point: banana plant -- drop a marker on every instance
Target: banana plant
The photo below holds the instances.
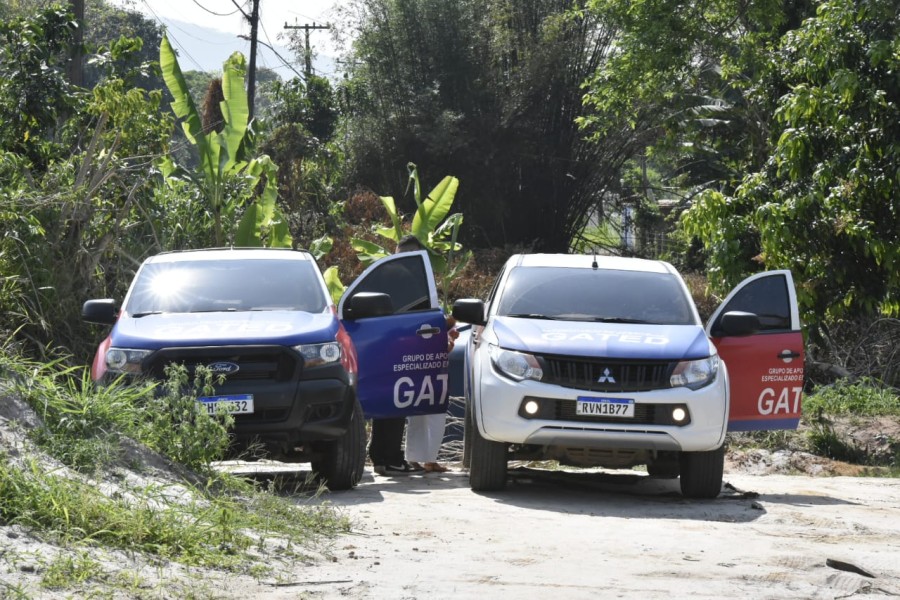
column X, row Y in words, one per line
column 432, row 225
column 223, row 158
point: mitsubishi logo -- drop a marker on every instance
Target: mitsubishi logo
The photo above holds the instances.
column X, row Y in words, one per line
column 606, row 377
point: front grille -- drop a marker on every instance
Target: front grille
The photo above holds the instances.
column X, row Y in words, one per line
column 268, row 363
column 598, row 375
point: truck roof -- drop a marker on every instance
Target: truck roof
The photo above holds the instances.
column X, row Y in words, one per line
column 230, row 254
column 586, row 261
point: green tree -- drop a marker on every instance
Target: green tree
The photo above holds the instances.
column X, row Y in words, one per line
column 311, row 104
column 800, row 96
column 488, row 90
column 74, row 187
column 298, row 136
column 34, row 92
column 825, row 203
column 690, row 82
column 107, row 27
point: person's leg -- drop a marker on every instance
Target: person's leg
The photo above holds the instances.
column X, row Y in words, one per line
column 424, row 434
column 386, row 446
column 416, row 439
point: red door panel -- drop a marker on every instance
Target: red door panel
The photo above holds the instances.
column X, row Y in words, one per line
column 766, row 373
column 765, row 369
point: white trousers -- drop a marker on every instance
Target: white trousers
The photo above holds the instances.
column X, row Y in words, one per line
column 424, row 434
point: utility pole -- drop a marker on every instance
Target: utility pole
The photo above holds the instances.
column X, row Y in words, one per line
column 306, row 28
column 251, row 84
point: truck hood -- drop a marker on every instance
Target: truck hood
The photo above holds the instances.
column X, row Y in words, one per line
column 282, row 328
column 606, row 340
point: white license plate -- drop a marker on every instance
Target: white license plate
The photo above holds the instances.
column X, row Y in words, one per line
column 604, row 407
column 236, row 404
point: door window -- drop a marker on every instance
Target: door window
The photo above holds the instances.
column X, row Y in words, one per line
column 768, row 298
column 404, row 277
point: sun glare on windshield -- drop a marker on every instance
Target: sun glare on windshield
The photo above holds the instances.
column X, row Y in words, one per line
column 168, row 284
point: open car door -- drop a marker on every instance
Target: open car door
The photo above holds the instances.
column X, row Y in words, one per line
column 766, row 368
column 402, row 352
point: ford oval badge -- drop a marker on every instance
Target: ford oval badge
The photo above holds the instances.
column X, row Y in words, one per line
column 223, row 368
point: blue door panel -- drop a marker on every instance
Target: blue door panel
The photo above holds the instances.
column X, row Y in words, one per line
column 403, row 363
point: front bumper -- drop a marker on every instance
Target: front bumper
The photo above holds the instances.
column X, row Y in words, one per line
column 309, row 411
column 293, row 405
column 498, row 401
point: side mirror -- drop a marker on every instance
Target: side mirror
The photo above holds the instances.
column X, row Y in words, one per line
column 368, row 304
column 737, row 323
column 469, row 310
column 103, row 311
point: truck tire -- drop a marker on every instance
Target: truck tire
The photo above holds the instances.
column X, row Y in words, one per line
column 487, row 462
column 341, row 462
column 467, row 437
column 701, row 473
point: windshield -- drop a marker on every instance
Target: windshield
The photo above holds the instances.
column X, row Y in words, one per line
column 601, row 295
column 226, row 285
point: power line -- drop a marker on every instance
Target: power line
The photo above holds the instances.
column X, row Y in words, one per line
column 213, row 12
column 275, row 52
column 270, row 46
column 177, row 43
column 241, row 9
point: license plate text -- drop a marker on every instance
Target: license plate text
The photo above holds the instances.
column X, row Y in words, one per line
column 604, row 407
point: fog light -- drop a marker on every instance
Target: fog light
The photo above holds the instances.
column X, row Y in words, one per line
column 679, row 415
column 531, row 407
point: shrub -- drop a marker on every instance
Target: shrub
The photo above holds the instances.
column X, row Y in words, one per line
column 863, row 397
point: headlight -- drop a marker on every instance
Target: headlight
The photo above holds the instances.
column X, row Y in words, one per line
column 695, row 374
column 516, row 365
column 125, row 360
column 319, row 354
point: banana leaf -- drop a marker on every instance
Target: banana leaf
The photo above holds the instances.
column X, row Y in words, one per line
column 434, row 208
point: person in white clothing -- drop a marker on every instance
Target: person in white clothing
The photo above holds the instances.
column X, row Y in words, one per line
column 425, row 433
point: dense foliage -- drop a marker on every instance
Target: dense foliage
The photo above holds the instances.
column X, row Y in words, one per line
column 778, row 123
column 487, row 91
column 825, row 202
column 76, row 199
column 772, row 126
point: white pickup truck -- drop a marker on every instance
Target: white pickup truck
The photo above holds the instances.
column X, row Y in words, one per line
column 603, row 361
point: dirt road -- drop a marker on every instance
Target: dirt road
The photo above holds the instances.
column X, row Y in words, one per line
column 611, row 535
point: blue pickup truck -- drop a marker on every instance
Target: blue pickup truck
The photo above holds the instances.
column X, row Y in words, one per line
column 300, row 373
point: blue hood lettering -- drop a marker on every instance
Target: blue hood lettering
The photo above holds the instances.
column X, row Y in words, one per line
column 285, row 328
column 605, row 340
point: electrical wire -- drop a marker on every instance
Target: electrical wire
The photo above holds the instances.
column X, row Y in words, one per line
column 238, row 6
column 271, row 47
column 215, row 13
column 172, row 38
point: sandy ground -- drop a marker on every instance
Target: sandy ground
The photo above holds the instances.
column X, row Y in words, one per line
column 610, row 535
column 550, row 534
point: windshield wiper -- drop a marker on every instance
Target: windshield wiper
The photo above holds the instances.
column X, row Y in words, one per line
column 531, row 316
column 147, row 313
column 617, row 320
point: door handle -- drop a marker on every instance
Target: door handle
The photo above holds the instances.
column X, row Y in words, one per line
column 425, row 330
column 788, row 354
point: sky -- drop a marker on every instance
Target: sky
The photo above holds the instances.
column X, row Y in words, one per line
column 205, row 32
